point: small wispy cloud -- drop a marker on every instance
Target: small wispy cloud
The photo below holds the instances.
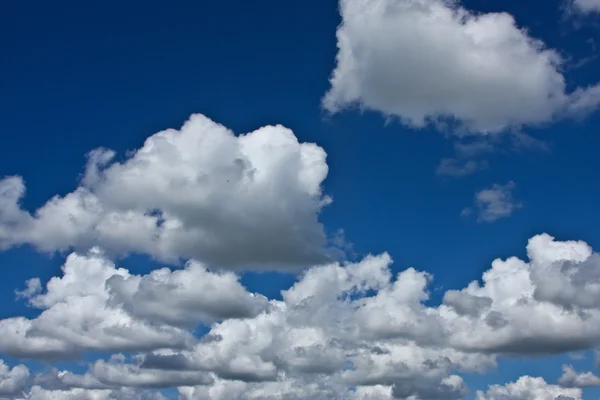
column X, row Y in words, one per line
column 457, row 168
column 494, row 203
column 469, row 153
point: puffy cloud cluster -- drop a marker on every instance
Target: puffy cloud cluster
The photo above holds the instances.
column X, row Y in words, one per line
column 529, row 388
column 571, row 378
column 428, row 61
column 351, row 331
column 199, row 192
column 12, row 380
column 39, row 393
column 95, row 306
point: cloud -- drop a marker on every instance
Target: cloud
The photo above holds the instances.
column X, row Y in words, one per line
column 39, row 393
column 570, row 378
column 390, row 338
column 470, row 150
column 185, row 297
column 428, row 61
column 340, row 326
column 587, row 5
column 526, row 388
column 455, row 168
column 200, row 192
column 527, row 312
column 114, row 374
column 96, row 306
column 12, row 381
column 495, row 203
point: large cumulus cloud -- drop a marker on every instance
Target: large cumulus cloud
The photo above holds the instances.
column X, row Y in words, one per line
column 199, row 192
column 433, row 60
column 526, row 388
column 351, row 330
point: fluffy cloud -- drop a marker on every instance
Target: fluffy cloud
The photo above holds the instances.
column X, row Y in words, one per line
column 115, row 373
column 527, row 313
column 200, row 192
column 528, row 388
column 571, row 378
column 352, row 331
column 328, row 324
column 494, row 203
column 185, row 297
column 39, row 393
column 12, row 381
column 432, row 60
column 99, row 307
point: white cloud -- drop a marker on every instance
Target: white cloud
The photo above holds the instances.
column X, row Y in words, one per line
column 97, row 306
column 495, row 203
column 286, row 390
column 571, row 378
column 338, row 327
column 587, row 5
column 12, row 380
column 429, row 60
column 200, row 192
column 529, row 388
column 39, row 393
column 389, row 338
column 115, row 374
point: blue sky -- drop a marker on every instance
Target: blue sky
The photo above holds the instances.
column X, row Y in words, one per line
column 78, row 77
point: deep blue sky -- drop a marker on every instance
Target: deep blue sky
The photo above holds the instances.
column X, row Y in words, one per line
column 88, row 74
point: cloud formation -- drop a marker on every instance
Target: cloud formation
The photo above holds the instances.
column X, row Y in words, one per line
column 494, row 203
column 428, row 61
column 528, row 387
column 572, row 378
column 12, row 380
column 199, row 192
column 96, row 306
column 346, row 331
column 587, row 5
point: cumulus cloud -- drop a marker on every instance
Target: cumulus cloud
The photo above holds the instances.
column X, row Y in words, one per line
column 96, row 306
column 495, row 203
column 347, row 331
column 571, row 378
column 199, row 192
column 428, row 61
column 390, row 338
column 40, row 393
column 529, row 388
column 12, row 380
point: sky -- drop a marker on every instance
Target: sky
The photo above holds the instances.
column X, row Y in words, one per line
column 363, row 199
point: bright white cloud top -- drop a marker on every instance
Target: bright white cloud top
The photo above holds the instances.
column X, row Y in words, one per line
column 200, row 192
column 338, row 327
column 433, row 60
